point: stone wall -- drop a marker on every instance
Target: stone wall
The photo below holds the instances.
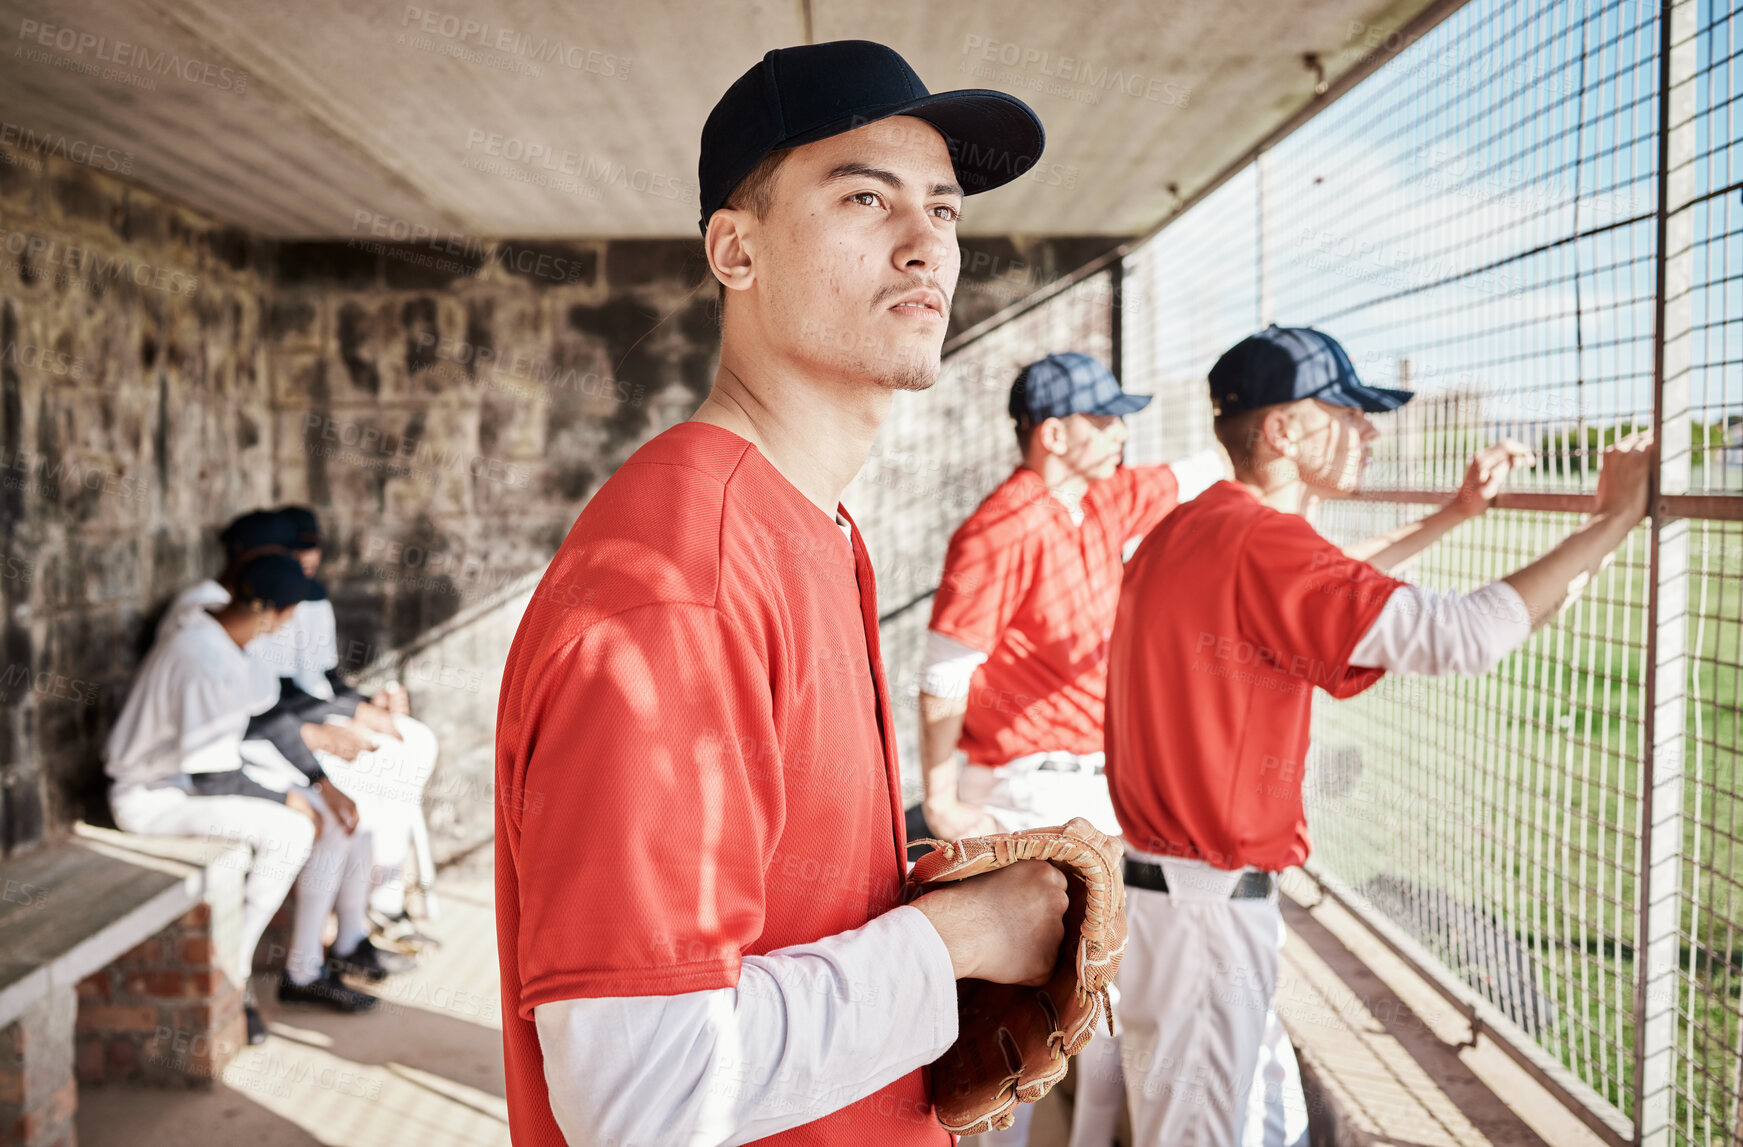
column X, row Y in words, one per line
column 135, row 411
column 446, row 405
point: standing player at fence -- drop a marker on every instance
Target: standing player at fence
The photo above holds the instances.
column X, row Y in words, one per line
column 699, row 834
column 1015, row 676
column 1233, row 610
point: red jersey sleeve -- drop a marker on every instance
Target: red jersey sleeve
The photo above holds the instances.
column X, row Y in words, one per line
column 1306, row 606
column 986, row 577
column 651, row 801
column 1145, row 495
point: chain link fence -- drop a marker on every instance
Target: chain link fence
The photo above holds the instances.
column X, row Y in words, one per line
column 1531, row 215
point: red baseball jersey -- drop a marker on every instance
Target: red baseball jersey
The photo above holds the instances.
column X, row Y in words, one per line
column 1037, row 594
column 1231, row 613
column 692, row 757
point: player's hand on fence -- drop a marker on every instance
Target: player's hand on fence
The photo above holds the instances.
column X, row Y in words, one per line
column 1625, row 477
column 1005, row 926
column 951, row 819
column 297, row 802
column 343, row 808
column 346, row 744
column 1488, row 472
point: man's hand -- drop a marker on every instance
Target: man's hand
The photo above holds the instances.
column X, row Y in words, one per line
column 394, row 699
column 953, row 819
column 297, row 802
column 375, row 720
column 1006, row 926
column 1625, row 478
column 1554, row 581
column 1487, row 473
column 341, row 806
column 346, row 744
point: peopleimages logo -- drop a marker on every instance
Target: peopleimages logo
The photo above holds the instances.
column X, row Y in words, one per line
column 135, row 56
column 463, row 30
column 74, row 150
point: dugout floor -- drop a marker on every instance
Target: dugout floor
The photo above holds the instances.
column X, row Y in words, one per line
column 426, row 1069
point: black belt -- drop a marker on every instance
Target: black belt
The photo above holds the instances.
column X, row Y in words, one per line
column 1252, row 885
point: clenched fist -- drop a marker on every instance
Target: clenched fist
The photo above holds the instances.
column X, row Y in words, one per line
column 1006, row 926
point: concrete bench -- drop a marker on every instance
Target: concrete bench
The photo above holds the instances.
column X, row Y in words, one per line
column 110, row 968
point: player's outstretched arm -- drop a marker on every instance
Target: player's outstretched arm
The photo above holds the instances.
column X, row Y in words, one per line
column 1437, row 634
column 1483, row 480
column 1552, row 582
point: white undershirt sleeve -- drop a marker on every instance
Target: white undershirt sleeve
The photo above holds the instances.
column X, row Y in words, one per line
column 1439, row 634
column 1198, row 472
column 809, row 1030
column 948, row 666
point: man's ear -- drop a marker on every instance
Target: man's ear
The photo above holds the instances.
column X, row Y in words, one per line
column 1275, row 431
column 730, row 246
column 1053, row 437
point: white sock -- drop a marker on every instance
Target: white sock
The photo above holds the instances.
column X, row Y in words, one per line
column 353, row 899
column 389, row 895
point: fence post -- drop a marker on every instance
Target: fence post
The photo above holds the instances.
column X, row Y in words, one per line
column 1657, row 955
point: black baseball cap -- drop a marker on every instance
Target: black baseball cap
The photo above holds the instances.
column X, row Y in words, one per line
column 304, row 525
column 1287, row 364
column 803, row 94
column 258, row 529
column 277, row 580
column 1070, row 383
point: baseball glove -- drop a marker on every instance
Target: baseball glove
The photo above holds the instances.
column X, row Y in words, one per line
column 1013, row 1042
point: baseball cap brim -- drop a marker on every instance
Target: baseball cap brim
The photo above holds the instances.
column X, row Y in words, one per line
column 993, row 138
column 1373, row 399
column 1124, row 404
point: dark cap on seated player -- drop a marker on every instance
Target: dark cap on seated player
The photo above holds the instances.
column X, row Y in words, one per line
column 306, row 528
column 801, row 95
column 259, row 530
column 1288, row 364
column 277, row 581
column 1070, row 383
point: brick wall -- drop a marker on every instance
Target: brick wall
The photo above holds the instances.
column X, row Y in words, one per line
column 165, row 1011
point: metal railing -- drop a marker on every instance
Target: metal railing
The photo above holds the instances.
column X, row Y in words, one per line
column 1532, row 215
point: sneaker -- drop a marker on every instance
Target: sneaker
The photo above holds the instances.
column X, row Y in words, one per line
column 326, row 990
column 401, row 933
column 256, row 1025
column 370, row 962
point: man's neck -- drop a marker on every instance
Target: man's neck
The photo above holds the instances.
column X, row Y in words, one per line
column 1286, row 494
column 238, row 624
column 817, row 431
column 1065, row 486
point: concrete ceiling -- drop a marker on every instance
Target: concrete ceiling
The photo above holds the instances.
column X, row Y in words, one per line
column 423, row 112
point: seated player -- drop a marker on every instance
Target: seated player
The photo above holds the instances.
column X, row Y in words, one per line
column 289, row 747
column 305, row 653
column 174, row 756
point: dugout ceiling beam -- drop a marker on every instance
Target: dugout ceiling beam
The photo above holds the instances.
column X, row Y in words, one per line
column 295, row 119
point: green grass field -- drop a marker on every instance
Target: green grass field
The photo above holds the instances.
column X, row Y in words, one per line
column 1499, row 818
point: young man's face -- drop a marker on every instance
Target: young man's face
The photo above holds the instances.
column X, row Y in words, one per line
column 311, row 560
column 1094, row 444
column 1331, row 446
column 268, row 620
column 856, row 260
